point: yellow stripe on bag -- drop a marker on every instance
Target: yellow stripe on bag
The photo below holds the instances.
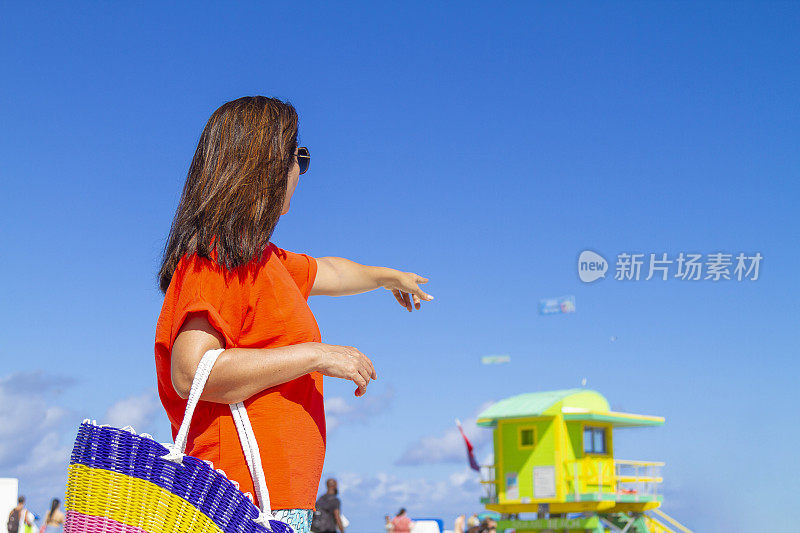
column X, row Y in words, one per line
column 132, row 501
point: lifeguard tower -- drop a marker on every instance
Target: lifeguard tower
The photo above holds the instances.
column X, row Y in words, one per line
column 554, row 456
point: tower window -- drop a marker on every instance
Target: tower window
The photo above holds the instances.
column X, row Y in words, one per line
column 594, row 440
column 526, row 438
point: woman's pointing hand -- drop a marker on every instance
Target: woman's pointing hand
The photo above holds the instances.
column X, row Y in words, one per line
column 405, row 287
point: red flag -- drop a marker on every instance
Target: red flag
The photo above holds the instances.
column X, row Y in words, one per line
column 470, row 455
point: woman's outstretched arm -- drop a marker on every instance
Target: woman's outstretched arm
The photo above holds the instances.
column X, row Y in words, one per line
column 337, row 276
column 239, row 373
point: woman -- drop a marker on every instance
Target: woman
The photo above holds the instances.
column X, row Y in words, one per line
column 402, row 523
column 54, row 519
column 227, row 286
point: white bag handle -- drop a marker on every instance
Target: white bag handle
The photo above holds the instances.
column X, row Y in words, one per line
column 243, row 428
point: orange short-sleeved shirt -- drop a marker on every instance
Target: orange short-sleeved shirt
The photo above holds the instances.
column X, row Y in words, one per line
column 259, row 305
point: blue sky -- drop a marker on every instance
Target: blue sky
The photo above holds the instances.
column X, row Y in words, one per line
column 483, row 146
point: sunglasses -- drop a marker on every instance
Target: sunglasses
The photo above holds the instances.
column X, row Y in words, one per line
column 303, row 159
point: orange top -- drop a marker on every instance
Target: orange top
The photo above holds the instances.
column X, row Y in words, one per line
column 259, row 305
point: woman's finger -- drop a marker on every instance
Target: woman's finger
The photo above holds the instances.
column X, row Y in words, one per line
column 422, row 294
column 416, row 302
column 361, row 384
column 407, row 300
column 398, row 297
column 371, row 367
column 364, row 365
column 366, row 374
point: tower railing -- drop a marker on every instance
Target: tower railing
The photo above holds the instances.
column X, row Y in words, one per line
column 489, row 483
column 606, row 477
column 596, row 478
column 638, row 477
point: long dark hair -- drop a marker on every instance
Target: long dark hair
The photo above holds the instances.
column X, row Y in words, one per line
column 235, row 188
column 53, row 506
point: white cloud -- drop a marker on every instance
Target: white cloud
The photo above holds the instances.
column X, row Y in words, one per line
column 366, row 498
column 421, row 493
column 447, row 446
column 339, row 411
column 37, row 434
column 139, row 411
column 336, row 408
column 34, row 445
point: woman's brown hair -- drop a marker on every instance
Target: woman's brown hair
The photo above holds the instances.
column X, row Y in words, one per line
column 235, row 188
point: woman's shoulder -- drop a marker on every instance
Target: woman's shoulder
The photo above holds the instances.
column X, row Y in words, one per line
column 195, row 263
column 195, row 268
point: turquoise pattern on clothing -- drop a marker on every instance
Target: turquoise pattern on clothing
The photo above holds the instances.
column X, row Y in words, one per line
column 298, row 519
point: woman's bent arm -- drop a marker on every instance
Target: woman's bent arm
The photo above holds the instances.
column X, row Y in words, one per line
column 240, row 373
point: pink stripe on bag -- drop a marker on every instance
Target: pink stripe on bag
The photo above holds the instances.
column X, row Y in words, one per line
column 78, row 522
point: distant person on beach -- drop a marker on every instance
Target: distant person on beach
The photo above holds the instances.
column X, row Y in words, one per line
column 54, row 519
column 402, row 523
column 227, row 286
column 19, row 517
column 388, row 526
column 460, row 523
column 487, row 525
column 328, row 517
column 474, row 525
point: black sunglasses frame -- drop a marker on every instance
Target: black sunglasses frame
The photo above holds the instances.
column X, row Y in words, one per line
column 303, row 159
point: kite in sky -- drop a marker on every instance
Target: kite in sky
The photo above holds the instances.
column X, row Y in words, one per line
column 554, row 306
column 495, row 359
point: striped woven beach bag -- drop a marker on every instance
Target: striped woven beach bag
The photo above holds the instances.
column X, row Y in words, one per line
column 122, row 482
